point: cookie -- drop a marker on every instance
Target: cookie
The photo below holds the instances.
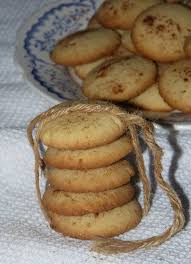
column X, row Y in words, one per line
column 187, row 47
column 105, row 224
column 120, row 79
column 75, row 204
column 92, row 180
column 151, row 100
column 127, row 42
column 160, row 31
column 175, row 85
column 122, row 14
column 85, row 47
column 83, row 70
column 82, row 130
column 89, row 158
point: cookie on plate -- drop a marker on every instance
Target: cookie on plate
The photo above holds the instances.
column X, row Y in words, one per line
column 122, row 14
column 82, row 130
column 67, row 203
column 160, row 31
column 89, row 158
column 105, row 224
column 175, row 85
column 151, row 100
column 92, row 180
column 85, row 46
column 120, row 79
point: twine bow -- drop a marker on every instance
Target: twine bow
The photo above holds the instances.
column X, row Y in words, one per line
column 131, row 122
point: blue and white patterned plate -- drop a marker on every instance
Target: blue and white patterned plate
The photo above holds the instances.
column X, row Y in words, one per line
column 38, row 35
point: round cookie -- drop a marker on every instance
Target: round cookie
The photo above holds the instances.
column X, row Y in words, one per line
column 120, row 79
column 160, row 31
column 82, row 130
column 187, row 47
column 105, row 224
column 75, row 204
column 85, row 46
column 151, row 100
column 127, row 42
column 83, row 70
column 175, row 85
column 89, row 158
column 92, row 180
column 122, row 14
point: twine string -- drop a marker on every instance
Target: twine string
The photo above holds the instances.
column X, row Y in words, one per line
column 131, row 121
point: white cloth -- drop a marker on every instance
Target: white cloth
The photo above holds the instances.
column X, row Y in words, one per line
column 24, row 234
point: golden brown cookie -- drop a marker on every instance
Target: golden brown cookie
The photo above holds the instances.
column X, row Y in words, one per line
column 160, row 31
column 82, row 130
column 120, row 79
column 122, row 14
column 89, row 158
column 92, row 180
column 75, row 204
column 85, row 46
column 105, row 224
column 151, row 100
column 175, row 85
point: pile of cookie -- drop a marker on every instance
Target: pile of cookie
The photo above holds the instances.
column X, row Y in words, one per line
column 89, row 192
column 136, row 51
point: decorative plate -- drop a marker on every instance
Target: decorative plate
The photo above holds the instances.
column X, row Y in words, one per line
column 37, row 37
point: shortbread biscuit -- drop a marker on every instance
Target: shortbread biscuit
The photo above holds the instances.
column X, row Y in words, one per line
column 127, row 42
column 82, row 130
column 160, row 31
column 175, row 85
column 85, row 46
column 151, row 100
column 89, row 158
column 120, row 79
column 92, row 180
column 122, row 14
column 105, row 224
column 83, row 70
column 67, row 203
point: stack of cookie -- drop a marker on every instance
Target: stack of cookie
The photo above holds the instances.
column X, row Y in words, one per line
column 136, row 51
column 89, row 193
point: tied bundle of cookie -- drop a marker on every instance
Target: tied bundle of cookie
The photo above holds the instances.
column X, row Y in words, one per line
column 89, row 193
column 137, row 51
